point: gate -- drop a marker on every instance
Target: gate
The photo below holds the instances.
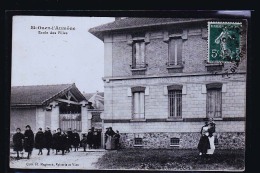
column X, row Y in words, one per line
column 70, row 120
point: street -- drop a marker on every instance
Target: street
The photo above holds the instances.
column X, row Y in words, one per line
column 72, row 160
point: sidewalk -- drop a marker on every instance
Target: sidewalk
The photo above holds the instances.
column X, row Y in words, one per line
column 71, row 160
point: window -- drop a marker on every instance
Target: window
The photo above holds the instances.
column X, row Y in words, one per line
column 214, row 100
column 138, row 54
column 175, row 142
column 175, row 101
column 175, row 52
column 138, row 105
column 138, row 142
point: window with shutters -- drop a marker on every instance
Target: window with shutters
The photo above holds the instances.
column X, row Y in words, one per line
column 138, row 55
column 138, row 111
column 214, row 100
column 138, row 105
column 175, row 52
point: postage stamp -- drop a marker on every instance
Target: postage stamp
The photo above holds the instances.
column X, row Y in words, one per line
column 224, row 41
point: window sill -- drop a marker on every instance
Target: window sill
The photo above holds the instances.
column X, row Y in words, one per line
column 217, row 119
column 138, row 120
column 174, row 66
column 175, row 145
column 139, row 69
column 214, row 64
column 174, row 119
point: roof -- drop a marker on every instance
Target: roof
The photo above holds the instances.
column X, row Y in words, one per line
column 128, row 23
column 42, row 94
column 89, row 95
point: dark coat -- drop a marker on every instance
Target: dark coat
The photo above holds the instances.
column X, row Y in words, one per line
column 75, row 139
column 204, row 144
column 117, row 137
column 70, row 137
column 59, row 141
column 28, row 140
column 18, row 141
column 48, row 139
column 39, row 140
column 84, row 141
column 212, row 129
column 90, row 138
column 95, row 138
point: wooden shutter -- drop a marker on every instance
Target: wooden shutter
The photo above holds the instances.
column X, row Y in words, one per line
column 179, row 51
column 171, row 52
column 134, row 56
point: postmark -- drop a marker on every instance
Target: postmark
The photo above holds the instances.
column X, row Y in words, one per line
column 224, row 42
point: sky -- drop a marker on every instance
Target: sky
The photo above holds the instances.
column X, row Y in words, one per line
column 46, row 59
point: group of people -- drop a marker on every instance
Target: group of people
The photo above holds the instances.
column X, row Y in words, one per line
column 91, row 140
column 112, row 139
column 206, row 144
column 58, row 140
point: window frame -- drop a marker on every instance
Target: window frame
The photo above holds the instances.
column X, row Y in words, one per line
column 177, row 97
column 138, row 144
column 211, row 88
column 139, row 90
column 134, row 53
column 176, row 58
column 173, row 144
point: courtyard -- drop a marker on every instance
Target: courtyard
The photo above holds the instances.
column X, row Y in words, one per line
column 134, row 159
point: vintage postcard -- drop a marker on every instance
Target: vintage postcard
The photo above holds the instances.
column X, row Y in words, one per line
column 128, row 93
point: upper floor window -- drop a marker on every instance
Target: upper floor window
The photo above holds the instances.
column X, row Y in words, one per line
column 214, row 100
column 175, row 52
column 138, row 54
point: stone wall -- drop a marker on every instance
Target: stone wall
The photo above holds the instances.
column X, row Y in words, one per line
column 228, row 140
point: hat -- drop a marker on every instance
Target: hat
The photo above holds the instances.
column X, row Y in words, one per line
column 28, row 126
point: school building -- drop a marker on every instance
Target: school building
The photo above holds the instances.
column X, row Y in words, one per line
column 159, row 87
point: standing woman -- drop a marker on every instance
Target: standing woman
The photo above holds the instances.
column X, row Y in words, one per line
column 39, row 140
column 18, row 141
column 48, row 139
column 204, row 145
column 211, row 130
column 28, row 140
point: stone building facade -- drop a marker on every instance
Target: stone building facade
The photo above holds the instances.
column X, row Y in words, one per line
column 159, row 87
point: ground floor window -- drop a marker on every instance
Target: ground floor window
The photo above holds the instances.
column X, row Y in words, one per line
column 175, row 142
column 138, row 102
column 214, row 101
column 138, row 142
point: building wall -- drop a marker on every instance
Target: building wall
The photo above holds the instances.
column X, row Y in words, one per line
column 118, row 100
column 194, row 53
column 156, row 130
column 20, row 117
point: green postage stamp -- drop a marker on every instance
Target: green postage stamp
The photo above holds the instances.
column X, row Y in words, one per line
column 224, row 42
